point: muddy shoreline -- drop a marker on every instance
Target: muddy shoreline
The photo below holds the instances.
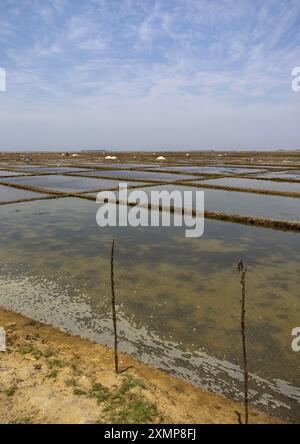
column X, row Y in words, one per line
column 47, row 376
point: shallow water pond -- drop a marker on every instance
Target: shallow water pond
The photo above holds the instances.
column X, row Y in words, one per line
column 67, row 183
column 178, row 298
column 140, row 175
column 255, row 184
column 5, row 173
column 44, row 169
column 211, row 169
column 118, row 165
column 289, row 175
column 8, row 194
column 235, row 202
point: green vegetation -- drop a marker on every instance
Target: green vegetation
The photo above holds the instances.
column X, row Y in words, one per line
column 99, row 392
column 132, row 411
column 49, row 353
column 125, row 404
column 22, row 420
column 30, row 350
column 55, row 363
column 10, row 391
column 79, row 392
column 71, row 382
column 75, row 365
column 52, row 374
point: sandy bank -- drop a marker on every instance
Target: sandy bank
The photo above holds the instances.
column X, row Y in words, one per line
column 47, row 376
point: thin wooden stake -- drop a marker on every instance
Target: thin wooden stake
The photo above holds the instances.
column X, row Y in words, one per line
column 113, row 304
column 243, row 269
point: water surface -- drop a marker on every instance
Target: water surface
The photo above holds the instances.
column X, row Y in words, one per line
column 289, row 175
column 45, row 169
column 255, row 184
column 8, row 194
column 211, row 169
column 235, row 202
column 178, row 298
column 67, row 183
column 118, row 165
column 140, row 175
column 5, row 173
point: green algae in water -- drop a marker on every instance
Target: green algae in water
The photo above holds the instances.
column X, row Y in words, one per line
column 178, row 298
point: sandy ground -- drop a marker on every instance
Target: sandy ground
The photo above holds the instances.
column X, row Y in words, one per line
column 47, row 376
column 286, row 159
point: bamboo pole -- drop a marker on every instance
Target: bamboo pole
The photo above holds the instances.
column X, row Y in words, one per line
column 243, row 269
column 113, row 303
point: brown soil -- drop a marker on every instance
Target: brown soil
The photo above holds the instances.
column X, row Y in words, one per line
column 264, row 158
column 47, row 376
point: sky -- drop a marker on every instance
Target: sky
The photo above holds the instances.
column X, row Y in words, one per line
column 149, row 74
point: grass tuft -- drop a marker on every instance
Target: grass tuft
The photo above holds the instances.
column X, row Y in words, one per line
column 10, row 391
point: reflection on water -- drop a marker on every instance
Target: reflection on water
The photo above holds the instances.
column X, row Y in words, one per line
column 8, row 194
column 255, row 184
column 235, row 202
column 211, row 169
column 43, row 169
column 140, row 175
column 67, row 183
column 289, row 174
column 5, row 173
column 178, row 298
column 117, row 165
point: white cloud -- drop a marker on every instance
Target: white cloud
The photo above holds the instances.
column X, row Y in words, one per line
column 221, row 60
column 96, row 44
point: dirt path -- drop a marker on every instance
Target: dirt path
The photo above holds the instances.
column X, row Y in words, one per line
column 47, row 376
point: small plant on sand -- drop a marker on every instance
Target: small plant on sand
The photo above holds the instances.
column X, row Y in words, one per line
column 135, row 411
column 10, row 391
column 23, row 420
column 29, row 350
column 129, row 382
column 71, row 382
column 99, row 391
column 127, row 406
column 75, row 365
column 55, row 363
column 49, row 353
column 78, row 391
column 53, row 374
column 8, row 351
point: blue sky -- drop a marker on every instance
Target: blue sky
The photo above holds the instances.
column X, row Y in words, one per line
column 149, row 74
